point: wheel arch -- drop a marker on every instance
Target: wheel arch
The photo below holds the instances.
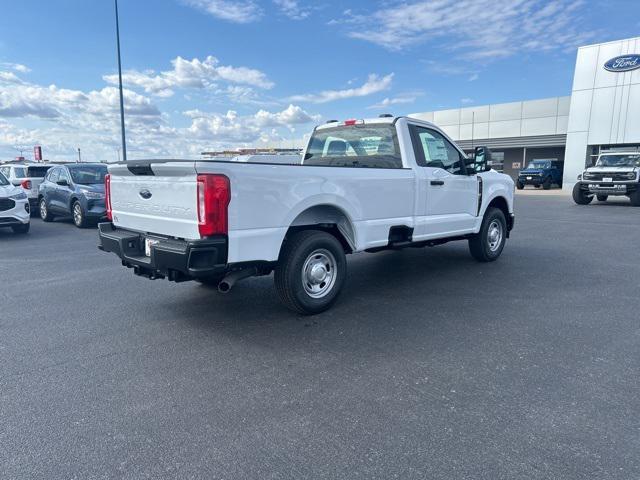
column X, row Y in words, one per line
column 327, row 217
column 501, row 203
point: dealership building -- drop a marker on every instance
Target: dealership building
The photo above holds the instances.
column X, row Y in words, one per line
column 601, row 114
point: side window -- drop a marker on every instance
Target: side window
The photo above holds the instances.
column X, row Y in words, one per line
column 6, row 171
column 433, row 150
column 53, row 175
column 64, row 175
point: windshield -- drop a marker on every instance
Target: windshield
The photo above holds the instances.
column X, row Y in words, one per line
column 373, row 146
column 630, row 160
column 3, row 181
column 536, row 164
column 89, row 174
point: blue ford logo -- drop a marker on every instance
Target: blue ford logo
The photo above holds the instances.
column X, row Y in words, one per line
column 623, row 63
column 146, row 194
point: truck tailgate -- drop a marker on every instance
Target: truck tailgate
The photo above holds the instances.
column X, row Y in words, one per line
column 159, row 198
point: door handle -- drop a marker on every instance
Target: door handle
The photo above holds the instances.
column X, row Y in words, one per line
column 437, row 182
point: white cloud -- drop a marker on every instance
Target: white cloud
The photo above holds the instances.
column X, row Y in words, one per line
column 236, row 11
column 234, row 128
column 292, row 9
column 61, row 120
column 374, row 84
column 478, row 29
column 401, row 99
column 18, row 67
column 466, row 101
column 194, row 73
column 473, row 77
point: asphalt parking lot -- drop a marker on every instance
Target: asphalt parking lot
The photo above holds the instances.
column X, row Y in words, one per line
column 430, row 366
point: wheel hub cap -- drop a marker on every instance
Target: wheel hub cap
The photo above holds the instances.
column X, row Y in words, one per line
column 494, row 235
column 319, row 273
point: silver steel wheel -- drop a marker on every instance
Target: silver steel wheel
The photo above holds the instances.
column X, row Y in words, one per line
column 43, row 208
column 319, row 273
column 77, row 214
column 494, row 235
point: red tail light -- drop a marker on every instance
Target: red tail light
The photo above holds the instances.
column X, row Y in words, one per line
column 350, row 122
column 214, row 195
column 107, row 195
column 26, row 184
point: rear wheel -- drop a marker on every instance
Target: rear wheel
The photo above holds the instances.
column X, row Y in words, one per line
column 24, row 228
column 602, row 198
column 488, row 243
column 79, row 218
column 520, row 185
column 45, row 214
column 580, row 196
column 311, row 272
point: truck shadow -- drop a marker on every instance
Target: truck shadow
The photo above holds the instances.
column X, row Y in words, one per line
column 389, row 289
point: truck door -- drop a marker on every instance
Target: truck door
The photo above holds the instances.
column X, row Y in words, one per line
column 451, row 194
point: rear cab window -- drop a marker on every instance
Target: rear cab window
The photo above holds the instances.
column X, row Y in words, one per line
column 37, row 172
column 360, row 145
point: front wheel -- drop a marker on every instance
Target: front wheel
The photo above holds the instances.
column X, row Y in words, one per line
column 547, row 183
column 24, row 228
column 519, row 185
column 580, row 196
column 635, row 198
column 602, row 198
column 311, row 271
column 488, row 243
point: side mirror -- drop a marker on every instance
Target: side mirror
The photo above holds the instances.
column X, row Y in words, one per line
column 63, row 183
column 16, row 183
column 482, row 159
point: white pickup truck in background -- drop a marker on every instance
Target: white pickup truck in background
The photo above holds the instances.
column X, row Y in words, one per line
column 364, row 185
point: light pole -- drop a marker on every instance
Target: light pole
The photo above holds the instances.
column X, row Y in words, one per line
column 79, row 157
column 124, row 142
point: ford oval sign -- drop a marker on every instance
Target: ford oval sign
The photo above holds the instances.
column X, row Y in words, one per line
column 623, row 63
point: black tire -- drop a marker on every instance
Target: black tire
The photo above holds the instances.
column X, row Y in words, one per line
column 78, row 215
column 580, row 197
column 635, row 198
column 44, row 212
column 547, row 183
column 519, row 185
column 537, row 186
column 602, row 198
column 24, row 228
column 303, row 252
column 485, row 246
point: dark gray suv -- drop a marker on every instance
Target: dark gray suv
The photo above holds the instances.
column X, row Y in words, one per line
column 76, row 190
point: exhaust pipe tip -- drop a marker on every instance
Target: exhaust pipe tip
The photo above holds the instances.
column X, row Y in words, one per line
column 224, row 287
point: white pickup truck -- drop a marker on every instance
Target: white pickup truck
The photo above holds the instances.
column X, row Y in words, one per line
column 362, row 185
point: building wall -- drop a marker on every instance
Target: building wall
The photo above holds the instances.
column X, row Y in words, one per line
column 547, row 116
column 605, row 106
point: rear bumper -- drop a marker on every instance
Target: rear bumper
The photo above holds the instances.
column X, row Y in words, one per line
column 176, row 260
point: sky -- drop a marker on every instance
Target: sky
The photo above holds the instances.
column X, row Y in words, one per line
column 203, row 75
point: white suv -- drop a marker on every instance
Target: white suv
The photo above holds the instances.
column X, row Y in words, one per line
column 14, row 207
